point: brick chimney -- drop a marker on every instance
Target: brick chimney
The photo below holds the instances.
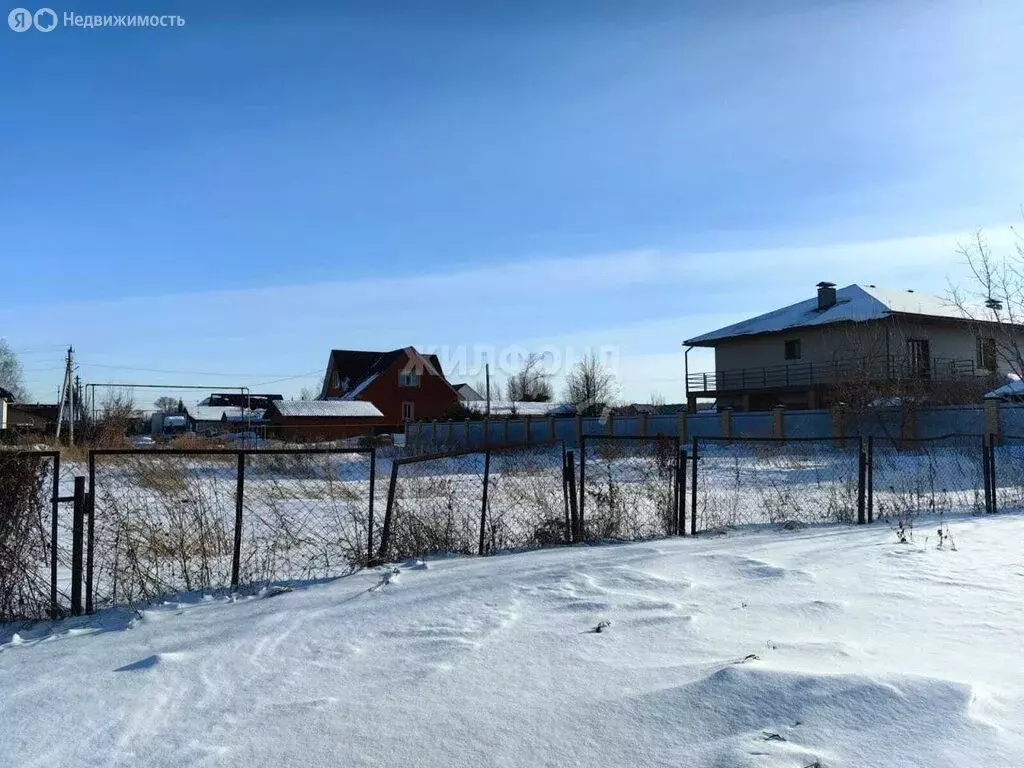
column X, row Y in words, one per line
column 826, row 296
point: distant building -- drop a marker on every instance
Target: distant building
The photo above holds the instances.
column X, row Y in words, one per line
column 220, row 419
column 467, row 394
column 31, row 418
column 802, row 355
column 312, row 420
column 403, row 384
column 256, row 402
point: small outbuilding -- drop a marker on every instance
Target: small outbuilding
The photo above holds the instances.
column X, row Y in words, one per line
column 312, row 420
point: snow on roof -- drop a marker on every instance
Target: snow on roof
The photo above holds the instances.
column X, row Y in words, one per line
column 354, row 393
column 853, row 303
column 223, row 412
column 327, row 408
column 1013, row 388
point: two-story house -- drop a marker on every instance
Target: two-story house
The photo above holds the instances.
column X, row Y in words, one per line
column 805, row 355
column 403, row 384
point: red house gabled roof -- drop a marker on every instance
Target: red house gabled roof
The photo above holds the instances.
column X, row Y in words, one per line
column 360, row 366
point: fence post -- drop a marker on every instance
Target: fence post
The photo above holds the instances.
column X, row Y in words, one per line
column 871, row 479
column 433, row 434
column 986, row 474
column 466, row 434
column 487, row 431
column 385, row 534
column 680, row 492
column 862, row 477
column 77, row 531
column 693, row 489
column 642, row 418
column 992, row 425
column 570, row 476
column 90, row 541
column 551, row 428
column 236, row 554
column 483, row 501
column 609, row 424
column 681, row 426
column 527, row 428
column 565, row 495
column 579, row 431
column 725, row 420
column 779, row 422
column 992, row 471
column 839, row 424
column 369, row 514
column 583, row 486
column 90, row 533
column 54, row 533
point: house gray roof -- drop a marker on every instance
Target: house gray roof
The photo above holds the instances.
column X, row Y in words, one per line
column 466, row 392
column 327, row 409
column 223, row 412
column 854, row 303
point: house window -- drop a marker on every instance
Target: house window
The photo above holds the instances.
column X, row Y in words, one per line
column 987, row 353
column 408, row 379
column 408, row 412
column 793, row 349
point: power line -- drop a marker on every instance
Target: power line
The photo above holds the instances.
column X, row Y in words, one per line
column 192, row 373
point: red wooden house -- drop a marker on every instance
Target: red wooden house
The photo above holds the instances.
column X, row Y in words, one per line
column 403, row 384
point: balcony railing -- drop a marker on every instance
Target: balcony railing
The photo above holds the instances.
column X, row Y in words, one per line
column 830, row 372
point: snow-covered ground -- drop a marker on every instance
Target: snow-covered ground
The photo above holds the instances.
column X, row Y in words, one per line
column 831, row 646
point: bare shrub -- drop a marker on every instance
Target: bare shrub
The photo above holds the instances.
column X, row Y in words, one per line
column 630, row 488
column 24, row 541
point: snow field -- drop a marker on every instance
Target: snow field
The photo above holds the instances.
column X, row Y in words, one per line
column 833, row 646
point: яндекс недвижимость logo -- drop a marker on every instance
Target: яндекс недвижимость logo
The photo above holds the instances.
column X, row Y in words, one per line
column 22, row 20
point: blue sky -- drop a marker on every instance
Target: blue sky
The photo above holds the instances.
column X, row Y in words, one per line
column 239, row 195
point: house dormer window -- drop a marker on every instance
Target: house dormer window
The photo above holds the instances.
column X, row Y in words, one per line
column 408, row 379
column 792, row 350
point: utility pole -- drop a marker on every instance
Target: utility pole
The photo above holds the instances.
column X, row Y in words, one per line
column 487, row 375
column 67, row 397
column 71, row 396
column 78, row 413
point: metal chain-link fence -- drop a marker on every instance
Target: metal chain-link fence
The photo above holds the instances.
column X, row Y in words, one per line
column 477, row 501
column 755, row 481
column 178, row 521
column 304, row 516
column 526, row 498
column 629, row 487
column 161, row 522
column 913, row 477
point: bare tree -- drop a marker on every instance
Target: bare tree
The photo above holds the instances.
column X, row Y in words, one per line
column 309, row 393
column 657, row 400
column 994, row 298
column 166, row 404
column 480, row 385
column 117, row 412
column 11, row 377
column 531, row 384
column 589, row 385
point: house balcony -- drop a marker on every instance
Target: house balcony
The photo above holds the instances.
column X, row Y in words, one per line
column 812, row 375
